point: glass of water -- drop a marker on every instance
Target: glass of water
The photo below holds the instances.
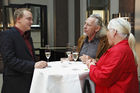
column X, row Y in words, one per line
column 68, row 53
column 75, row 55
column 47, row 52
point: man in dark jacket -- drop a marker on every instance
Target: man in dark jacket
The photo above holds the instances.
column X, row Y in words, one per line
column 17, row 51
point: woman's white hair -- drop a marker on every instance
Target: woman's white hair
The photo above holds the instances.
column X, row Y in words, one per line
column 123, row 27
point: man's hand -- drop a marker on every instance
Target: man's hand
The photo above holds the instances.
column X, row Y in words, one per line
column 84, row 58
column 70, row 58
column 41, row 64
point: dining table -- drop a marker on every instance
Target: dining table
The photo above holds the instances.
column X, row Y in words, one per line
column 61, row 77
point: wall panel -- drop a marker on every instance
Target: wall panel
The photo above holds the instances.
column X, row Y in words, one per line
column 61, row 22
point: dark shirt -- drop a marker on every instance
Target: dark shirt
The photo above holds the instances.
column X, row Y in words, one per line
column 90, row 48
column 25, row 36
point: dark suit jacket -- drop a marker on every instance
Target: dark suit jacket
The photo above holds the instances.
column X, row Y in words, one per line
column 18, row 62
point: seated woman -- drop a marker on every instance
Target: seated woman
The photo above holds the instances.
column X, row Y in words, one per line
column 116, row 70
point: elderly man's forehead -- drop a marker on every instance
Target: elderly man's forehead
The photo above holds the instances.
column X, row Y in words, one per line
column 90, row 19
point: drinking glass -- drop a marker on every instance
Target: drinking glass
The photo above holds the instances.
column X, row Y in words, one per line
column 68, row 50
column 47, row 52
column 75, row 55
column 68, row 53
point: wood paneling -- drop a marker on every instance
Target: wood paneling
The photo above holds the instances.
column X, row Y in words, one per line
column 127, row 9
column 0, row 3
column 61, row 22
column 127, row 6
column 1, row 63
column 77, row 20
column 0, row 11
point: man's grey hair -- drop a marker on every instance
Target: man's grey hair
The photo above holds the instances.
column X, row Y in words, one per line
column 100, row 23
column 19, row 13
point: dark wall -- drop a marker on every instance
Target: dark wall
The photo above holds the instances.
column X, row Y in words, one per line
column 61, row 22
column 77, row 21
column 96, row 4
column 1, row 3
column 0, row 10
column 127, row 6
column 127, row 9
column 1, row 64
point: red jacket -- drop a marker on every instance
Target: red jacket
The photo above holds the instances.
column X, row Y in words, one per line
column 116, row 71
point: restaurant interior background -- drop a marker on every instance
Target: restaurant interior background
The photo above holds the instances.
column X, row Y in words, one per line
column 59, row 22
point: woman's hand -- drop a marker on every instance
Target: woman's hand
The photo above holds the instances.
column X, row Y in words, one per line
column 90, row 62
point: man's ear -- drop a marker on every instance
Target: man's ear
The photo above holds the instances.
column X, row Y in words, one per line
column 17, row 19
column 97, row 28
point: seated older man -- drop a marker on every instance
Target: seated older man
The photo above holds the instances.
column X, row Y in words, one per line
column 94, row 43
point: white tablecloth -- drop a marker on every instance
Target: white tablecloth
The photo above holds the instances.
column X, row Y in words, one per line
column 60, row 78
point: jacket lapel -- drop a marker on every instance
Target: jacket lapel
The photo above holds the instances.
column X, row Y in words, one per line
column 22, row 42
column 101, row 45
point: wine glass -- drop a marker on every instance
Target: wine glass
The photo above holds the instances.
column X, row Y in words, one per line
column 47, row 52
column 75, row 55
column 68, row 52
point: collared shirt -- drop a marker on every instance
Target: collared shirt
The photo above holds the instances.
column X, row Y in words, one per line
column 26, row 39
column 90, row 48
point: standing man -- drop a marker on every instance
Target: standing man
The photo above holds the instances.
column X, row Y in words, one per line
column 18, row 55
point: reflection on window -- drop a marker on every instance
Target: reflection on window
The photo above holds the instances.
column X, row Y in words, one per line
column 100, row 7
column 10, row 15
column 36, row 16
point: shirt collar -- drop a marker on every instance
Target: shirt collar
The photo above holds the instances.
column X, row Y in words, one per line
column 86, row 39
column 20, row 31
